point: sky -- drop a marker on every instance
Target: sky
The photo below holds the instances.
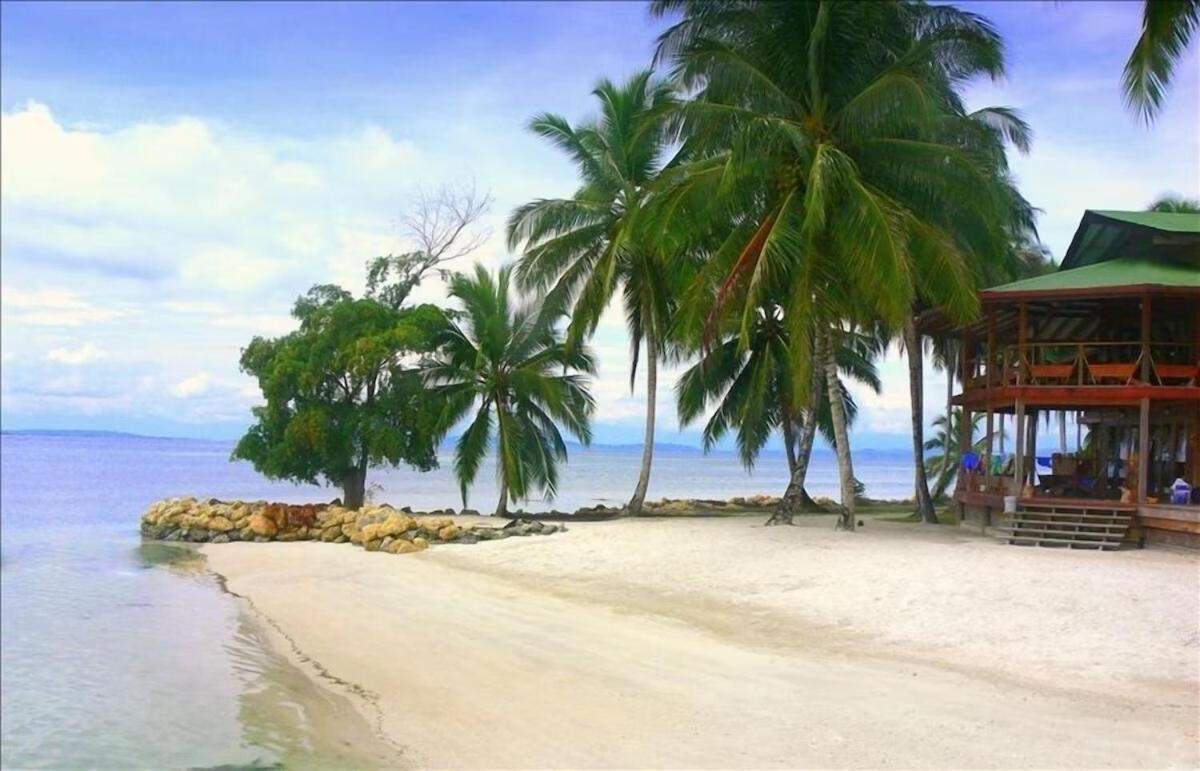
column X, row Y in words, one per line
column 173, row 175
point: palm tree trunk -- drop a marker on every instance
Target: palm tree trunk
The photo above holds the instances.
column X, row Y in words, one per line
column 639, row 492
column 502, row 504
column 948, row 459
column 794, row 497
column 912, row 341
column 789, row 440
column 841, row 437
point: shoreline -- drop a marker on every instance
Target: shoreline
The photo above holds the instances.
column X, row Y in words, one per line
column 339, row 722
column 496, row 655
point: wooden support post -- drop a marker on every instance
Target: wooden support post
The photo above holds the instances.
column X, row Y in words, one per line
column 1022, row 341
column 1032, row 440
column 987, row 469
column 965, row 440
column 1146, row 323
column 1019, row 461
column 991, row 348
column 1144, row 451
column 965, row 360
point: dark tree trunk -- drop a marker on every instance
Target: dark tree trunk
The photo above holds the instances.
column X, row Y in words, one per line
column 912, row 342
column 795, row 498
column 354, row 488
column 789, row 442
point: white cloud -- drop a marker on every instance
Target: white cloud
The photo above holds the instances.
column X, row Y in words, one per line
column 53, row 307
column 191, row 386
column 84, row 354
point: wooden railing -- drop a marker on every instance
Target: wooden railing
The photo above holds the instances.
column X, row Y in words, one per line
column 1089, row 363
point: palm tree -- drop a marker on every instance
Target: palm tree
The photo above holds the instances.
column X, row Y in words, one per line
column 1167, row 28
column 832, row 137
column 1176, row 204
column 583, row 250
column 943, row 466
column 512, row 367
column 752, row 391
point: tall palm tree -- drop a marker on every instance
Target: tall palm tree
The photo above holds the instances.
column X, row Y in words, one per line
column 753, row 393
column 512, row 367
column 1167, row 28
column 583, row 250
column 833, row 138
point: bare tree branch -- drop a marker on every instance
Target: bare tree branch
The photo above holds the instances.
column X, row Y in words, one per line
column 444, row 226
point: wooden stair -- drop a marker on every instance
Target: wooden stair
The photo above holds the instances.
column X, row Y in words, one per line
column 1074, row 525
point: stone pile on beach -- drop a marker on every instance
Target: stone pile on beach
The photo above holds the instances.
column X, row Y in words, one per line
column 375, row 528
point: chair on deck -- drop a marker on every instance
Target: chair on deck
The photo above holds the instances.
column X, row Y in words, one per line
column 1052, row 373
column 1121, row 373
column 1178, row 374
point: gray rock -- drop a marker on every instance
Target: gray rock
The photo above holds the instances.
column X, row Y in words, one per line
column 467, row 537
column 470, row 513
column 547, row 529
column 220, row 538
column 341, row 539
column 173, row 535
column 261, row 539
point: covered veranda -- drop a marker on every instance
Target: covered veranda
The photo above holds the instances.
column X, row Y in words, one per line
column 1091, row 375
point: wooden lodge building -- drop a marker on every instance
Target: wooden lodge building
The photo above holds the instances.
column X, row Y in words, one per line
column 1111, row 340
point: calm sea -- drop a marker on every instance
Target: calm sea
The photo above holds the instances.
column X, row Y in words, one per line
column 118, row 654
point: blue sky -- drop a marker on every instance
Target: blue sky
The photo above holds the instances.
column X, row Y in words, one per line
column 173, row 175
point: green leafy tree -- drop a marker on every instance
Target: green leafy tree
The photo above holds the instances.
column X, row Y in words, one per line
column 598, row 243
column 340, row 397
column 510, row 366
column 1167, row 28
column 833, row 139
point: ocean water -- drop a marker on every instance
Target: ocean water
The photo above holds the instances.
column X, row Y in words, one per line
column 119, row 654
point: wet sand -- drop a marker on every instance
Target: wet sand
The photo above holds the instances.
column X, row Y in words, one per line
column 716, row 643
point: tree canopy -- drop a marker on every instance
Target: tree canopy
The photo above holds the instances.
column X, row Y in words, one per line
column 342, row 393
column 511, row 366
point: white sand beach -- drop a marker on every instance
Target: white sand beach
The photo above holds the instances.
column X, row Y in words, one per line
column 718, row 643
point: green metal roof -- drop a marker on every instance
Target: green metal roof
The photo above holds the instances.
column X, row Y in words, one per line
column 1174, row 222
column 1111, row 235
column 1127, row 271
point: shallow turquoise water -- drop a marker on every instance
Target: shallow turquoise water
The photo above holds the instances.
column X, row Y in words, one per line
column 117, row 654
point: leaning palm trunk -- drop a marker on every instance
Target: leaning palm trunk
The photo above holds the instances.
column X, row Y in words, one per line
column 502, row 504
column 841, row 437
column 923, row 501
column 794, row 497
column 639, row 493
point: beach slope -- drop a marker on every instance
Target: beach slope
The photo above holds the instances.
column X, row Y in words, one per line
column 716, row 643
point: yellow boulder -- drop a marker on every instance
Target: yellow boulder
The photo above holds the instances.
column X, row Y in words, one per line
column 220, row 524
column 449, row 532
column 394, row 525
column 262, row 525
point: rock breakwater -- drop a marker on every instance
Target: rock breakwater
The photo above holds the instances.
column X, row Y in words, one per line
column 375, row 528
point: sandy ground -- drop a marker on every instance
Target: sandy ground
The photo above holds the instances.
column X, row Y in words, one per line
column 717, row 643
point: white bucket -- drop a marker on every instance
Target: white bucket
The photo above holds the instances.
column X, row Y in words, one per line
column 1010, row 504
